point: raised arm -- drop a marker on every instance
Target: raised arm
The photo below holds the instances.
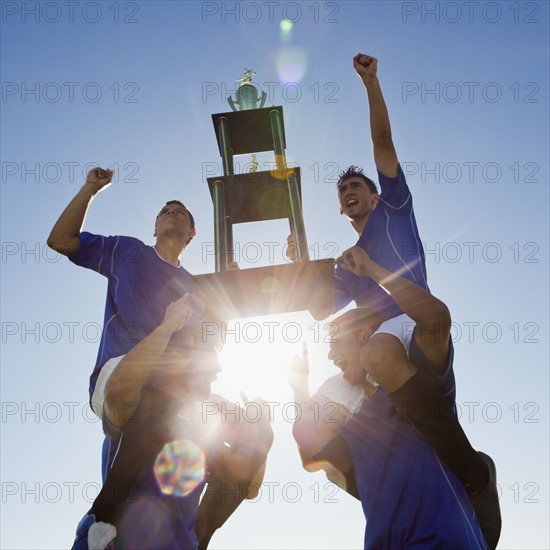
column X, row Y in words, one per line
column 65, row 234
column 385, row 156
column 135, row 369
column 315, row 430
column 432, row 317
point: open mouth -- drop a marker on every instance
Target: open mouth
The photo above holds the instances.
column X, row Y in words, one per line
column 351, row 202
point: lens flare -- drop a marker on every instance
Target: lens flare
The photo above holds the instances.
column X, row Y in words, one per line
column 286, row 26
column 179, row 468
column 291, row 64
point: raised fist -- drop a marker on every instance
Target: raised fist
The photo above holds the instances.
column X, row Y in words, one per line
column 365, row 65
column 99, row 178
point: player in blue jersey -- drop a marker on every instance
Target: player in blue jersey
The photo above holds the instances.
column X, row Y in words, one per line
column 385, row 223
column 388, row 232
column 163, row 447
column 404, row 448
column 142, row 280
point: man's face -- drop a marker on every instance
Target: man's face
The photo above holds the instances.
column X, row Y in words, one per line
column 174, row 221
column 345, row 351
column 205, row 370
column 356, row 199
column 191, row 371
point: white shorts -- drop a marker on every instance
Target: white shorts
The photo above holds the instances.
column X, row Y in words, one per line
column 98, row 397
column 338, row 390
column 402, row 328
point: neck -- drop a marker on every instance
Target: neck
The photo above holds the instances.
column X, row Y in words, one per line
column 359, row 224
column 169, row 250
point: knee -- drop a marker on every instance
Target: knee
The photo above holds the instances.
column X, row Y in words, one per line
column 384, row 357
column 382, row 351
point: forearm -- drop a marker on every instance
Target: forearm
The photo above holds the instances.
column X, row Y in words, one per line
column 340, row 470
column 235, row 479
column 414, row 300
column 316, row 426
column 379, row 119
column 136, row 368
column 65, row 234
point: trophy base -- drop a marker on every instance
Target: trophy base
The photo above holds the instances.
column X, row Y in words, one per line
column 268, row 290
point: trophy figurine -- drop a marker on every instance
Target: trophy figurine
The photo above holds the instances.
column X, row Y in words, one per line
column 247, row 94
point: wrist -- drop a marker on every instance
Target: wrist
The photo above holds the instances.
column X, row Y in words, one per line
column 166, row 329
column 370, row 80
column 90, row 187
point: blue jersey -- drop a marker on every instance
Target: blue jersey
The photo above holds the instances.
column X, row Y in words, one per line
column 390, row 237
column 141, row 285
column 410, row 498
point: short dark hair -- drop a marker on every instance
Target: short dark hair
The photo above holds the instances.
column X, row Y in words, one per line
column 354, row 320
column 356, row 172
column 191, row 218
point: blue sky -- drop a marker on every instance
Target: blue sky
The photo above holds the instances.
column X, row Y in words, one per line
column 133, row 85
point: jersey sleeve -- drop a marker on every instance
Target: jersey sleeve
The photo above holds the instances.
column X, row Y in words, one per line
column 395, row 193
column 96, row 252
column 445, row 381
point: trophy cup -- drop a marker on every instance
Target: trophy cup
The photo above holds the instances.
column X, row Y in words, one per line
column 247, row 95
column 259, row 196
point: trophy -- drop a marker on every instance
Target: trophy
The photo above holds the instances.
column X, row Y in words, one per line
column 259, row 196
column 247, row 95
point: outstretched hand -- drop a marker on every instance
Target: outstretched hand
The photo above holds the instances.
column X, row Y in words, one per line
column 298, row 375
column 99, row 178
column 365, row 66
column 291, row 249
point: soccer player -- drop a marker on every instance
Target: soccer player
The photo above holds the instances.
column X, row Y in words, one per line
column 163, row 448
column 402, row 439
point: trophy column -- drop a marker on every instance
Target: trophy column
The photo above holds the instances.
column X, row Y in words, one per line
column 233, row 130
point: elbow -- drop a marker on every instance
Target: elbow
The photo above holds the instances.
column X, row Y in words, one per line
column 438, row 319
column 321, row 314
column 119, row 403
column 65, row 246
column 52, row 243
column 441, row 315
column 308, row 443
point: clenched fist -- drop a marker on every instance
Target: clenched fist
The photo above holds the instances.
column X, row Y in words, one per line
column 365, row 65
column 99, row 178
